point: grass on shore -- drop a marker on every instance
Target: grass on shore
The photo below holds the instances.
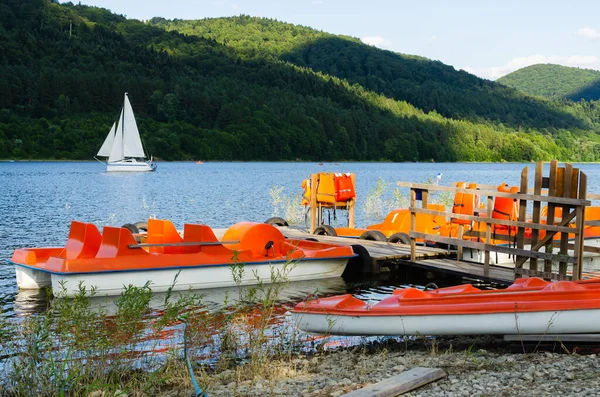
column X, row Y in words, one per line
column 78, row 349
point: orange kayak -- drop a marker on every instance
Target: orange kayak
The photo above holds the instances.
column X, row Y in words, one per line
column 529, row 306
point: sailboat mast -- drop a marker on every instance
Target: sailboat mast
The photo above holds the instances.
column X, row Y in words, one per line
column 123, row 129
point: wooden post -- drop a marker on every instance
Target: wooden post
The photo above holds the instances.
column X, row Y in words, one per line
column 537, row 190
column 580, row 226
column 564, row 237
column 488, row 236
column 352, row 204
column 413, row 224
column 522, row 213
column 314, row 178
column 551, row 210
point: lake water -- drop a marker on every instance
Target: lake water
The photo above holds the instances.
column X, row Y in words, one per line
column 39, row 199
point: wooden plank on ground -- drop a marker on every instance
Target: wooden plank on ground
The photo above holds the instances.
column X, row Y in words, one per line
column 588, row 338
column 400, row 384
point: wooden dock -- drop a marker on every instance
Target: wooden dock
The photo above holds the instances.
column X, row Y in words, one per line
column 380, row 251
column 384, row 254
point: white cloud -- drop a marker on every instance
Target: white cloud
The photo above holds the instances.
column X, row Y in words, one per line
column 588, row 33
column 581, row 61
column 377, row 41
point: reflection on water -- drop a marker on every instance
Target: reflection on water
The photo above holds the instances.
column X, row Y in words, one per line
column 28, row 302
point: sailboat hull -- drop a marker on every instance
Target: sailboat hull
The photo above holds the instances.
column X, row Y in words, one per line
column 130, row 165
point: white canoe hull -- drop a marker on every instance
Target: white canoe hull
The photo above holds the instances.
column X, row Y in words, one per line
column 543, row 322
column 197, row 277
column 130, row 165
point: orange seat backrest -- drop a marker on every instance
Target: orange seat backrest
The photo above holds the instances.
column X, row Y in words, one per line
column 115, row 243
column 83, row 242
column 161, row 232
column 204, row 234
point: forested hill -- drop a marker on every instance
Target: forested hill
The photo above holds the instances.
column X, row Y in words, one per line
column 555, row 81
column 246, row 88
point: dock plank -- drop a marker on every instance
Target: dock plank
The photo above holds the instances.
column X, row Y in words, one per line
column 380, row 251
column 400, row 384
column 498, row 274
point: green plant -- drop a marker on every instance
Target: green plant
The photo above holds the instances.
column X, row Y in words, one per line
column 289, row 208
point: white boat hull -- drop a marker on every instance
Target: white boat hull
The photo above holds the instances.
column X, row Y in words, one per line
column 30, row 278
column 130, row 165
column 543, row 322
column 198, row 277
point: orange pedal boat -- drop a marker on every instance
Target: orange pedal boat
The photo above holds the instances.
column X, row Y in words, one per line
column 114, row 259
column 529, row 306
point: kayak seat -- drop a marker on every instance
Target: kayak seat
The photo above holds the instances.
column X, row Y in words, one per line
column 528, row 282
column 83, row 242
column 563, row 286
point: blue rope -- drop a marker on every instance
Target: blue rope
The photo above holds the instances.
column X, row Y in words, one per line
column 199, row 392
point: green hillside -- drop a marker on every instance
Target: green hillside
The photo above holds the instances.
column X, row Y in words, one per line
column 555, row 81
column 246, row 88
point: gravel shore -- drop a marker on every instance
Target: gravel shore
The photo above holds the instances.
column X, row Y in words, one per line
column 475, row 367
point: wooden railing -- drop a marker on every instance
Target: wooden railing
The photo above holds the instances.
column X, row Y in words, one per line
column 564, row 188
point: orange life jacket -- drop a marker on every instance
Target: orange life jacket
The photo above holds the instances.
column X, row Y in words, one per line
column 306, row 194
column 344, row 188
column 465, row 203
column 326, row 188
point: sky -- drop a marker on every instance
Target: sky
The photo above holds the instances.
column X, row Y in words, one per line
column 489, row 38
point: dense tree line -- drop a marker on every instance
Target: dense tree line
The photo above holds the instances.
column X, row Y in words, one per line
column 556, row 82
column 256, row 89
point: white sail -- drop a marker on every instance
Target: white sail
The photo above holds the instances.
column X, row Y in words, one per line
column 123, row 145
column 132, row 144
column 108, row 142
column 116, row 153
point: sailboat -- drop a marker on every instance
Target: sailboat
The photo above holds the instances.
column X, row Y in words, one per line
column 123, row 145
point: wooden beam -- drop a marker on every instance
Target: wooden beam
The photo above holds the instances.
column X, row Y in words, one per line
column 491, row 247
column 519, row 196
column 548, row 238
column 497, row 221
column 400, row 384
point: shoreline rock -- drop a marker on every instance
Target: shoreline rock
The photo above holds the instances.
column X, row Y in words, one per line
column 475, row 367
